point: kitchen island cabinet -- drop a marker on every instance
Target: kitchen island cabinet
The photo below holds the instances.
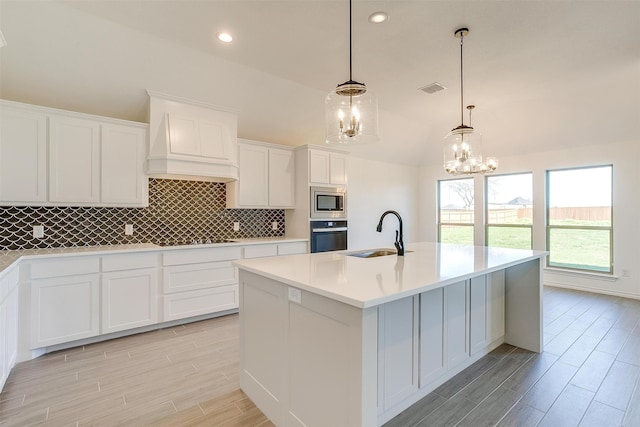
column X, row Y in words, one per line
column 373, row 336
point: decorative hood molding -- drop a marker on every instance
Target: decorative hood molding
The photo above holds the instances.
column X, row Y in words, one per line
column 191, row 140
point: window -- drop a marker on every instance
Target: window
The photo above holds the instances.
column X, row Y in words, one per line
column 510, row 211
column 455, row 211
column 579, row 218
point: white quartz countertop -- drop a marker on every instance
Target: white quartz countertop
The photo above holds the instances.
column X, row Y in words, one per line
column 9, row 257
column 367, row 282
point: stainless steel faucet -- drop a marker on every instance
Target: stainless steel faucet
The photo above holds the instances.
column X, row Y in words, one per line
column 399, row 243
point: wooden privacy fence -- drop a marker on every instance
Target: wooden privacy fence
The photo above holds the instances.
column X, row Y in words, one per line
column 513, row 215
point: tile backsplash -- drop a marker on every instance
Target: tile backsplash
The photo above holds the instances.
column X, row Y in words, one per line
column 178, row 213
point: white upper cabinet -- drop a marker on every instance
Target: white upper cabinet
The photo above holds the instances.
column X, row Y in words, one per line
column 74, row 162
column 281, row 178
column 326, row 167
column 123, row 158
column 23, row 156
column 191, row 139
column 266, row 178
column 51, row 157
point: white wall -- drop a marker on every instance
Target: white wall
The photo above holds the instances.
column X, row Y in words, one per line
column 375, row 187
column 626, row 208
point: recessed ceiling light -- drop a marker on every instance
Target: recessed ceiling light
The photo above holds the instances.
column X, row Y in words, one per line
column 378, row 17
column 225, row 37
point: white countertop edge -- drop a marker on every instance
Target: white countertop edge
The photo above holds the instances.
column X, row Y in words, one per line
column 12, row 257
column 363, row 304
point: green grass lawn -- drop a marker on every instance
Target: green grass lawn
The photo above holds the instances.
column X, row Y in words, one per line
column 582, row 249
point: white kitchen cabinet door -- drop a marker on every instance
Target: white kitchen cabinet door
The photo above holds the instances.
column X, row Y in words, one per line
column 23, row 156
column 74, row 160
column 397, row 351
column 281, row 178
column 124, row 182
column 478, row 331
column 432, row 355
column 4, row 330
column 129, row 299
column 319, row 172
column 326, row 167
column 338, row 169
column 456, row 324
column 254, row 175
column 64, row 309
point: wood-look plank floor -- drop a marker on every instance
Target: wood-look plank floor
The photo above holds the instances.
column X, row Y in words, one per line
column 188, row 376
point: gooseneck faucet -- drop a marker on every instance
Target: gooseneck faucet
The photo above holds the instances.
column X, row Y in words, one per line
column 399, row 243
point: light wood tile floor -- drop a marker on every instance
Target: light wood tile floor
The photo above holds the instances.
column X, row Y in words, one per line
column 188, row 376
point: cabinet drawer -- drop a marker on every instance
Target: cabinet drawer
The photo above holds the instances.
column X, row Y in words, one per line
column 64, row 267
column 292, row 248
column 129, row 261
column 180, row 278
column 194, row 303
column 259, row 251
column 196, row 256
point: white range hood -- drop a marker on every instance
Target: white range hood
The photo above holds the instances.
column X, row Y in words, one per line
column 191, row 140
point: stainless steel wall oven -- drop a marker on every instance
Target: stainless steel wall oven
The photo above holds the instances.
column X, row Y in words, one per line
column 328, row 236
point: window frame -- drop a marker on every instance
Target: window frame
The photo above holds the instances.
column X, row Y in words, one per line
column 486, row 209
column 454, row 224
column 550, row 227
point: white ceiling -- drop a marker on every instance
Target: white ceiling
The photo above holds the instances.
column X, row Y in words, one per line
column 543, row 75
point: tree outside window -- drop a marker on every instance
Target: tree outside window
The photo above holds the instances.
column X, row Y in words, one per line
column 455, row 211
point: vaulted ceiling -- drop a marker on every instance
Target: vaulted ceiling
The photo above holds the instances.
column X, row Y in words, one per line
column 543, row 75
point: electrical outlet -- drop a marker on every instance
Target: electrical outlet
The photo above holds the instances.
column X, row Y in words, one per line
column 274, row 225
column 128, row 230
column 38, row 231
column 236, row 226
column 625, row 273
column 295, row 295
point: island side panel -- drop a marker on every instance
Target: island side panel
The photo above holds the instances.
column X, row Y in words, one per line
column 262, row 344
column 523, row 305
column 326, row 360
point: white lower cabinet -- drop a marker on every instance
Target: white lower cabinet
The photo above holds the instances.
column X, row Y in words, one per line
column 64, row 309
column 199, row 281
column 129, row 299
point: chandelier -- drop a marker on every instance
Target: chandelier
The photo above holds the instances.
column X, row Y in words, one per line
column 463, row 145
column 351, row 109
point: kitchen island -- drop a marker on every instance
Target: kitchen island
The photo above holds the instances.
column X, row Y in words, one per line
column 341, row 340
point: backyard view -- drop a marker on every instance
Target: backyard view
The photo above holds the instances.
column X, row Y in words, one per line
column 579, row 226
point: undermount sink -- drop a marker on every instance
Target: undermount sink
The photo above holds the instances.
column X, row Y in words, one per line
column 372, row 253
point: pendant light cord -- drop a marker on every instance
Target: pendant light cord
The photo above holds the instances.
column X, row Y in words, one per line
column 350, row 52
column 461, row 82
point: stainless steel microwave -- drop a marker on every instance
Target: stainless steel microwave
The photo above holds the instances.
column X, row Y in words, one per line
column 328, row 202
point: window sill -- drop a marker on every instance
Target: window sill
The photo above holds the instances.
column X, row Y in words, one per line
column 586, row 274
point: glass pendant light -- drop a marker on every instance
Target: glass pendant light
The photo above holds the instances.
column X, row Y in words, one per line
column 351, row 109
column 463, row 145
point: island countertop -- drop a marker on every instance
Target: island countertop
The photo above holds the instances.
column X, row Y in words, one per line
column 368, row 282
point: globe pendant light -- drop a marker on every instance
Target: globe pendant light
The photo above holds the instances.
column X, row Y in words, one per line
column 463, row 145
column 351, row 110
